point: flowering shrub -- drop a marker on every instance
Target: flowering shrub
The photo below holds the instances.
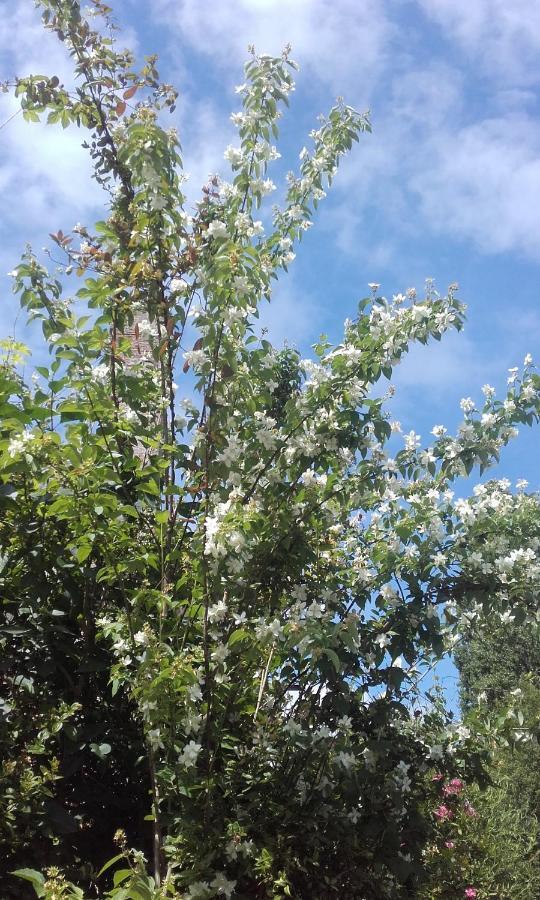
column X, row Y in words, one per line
column 483, row 843
column 449, row 854
column 225, row 569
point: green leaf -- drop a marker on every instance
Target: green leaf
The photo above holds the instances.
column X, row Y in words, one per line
column 101, row 750
column 110, row 863
column 120, row 875
column 83, row 552
column 334, row 658
column 36, row 879
column 238, row 635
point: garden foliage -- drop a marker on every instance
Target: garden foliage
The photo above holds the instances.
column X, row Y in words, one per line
column 225, row 571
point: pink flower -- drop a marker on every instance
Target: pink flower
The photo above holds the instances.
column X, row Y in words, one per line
column 449, row 845
column 471, row 892
column 438, row 777
column 469, row 810
column 453, row 787
column 442, row 812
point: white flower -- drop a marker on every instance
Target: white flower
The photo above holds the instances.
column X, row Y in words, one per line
column 157, row 203
column 347, row 760
column 507, row 618
column 234, row 847
column 488, row 419
column 528, row 360
column 293, row 728
column 146, row 329
column 100, row 373
column 189, row 754
column 370, row 758
column 438, row 430
column 309, row 477
column 195, row 358
column 265, row 630
column 233, row 316
column 266, row 438
column 241, row 285
column 178, row 285
column 322, row 733
column 383, row 640
column 513, row 374
column 296, row 212
column 154, row 736
column 389, row 595
column 222, row 885
column 220, row 654
column 236, row 540
column 315, row 610
column 217, row 229
column 373, row 286
column 217, row 612
column 263, row 186
column 234, row 155
column 192, row 722
column 194, row 692
column 467, row 404
column 412, row 440
column 20, row 443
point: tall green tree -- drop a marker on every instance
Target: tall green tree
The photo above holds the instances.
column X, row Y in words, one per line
column 217, row 611
column 494, row 838
column 493, row 662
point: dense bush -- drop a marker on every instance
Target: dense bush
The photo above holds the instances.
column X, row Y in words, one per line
column 217, row 611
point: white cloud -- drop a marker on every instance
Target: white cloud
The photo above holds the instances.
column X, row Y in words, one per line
column 49, row 174
column 503, row 36
column 432, row 168
column 453, row 363
column 483, row 182
column 205, row 133
column 292, row 316
column 26, row 48
column 426, row 173
column 340, row 42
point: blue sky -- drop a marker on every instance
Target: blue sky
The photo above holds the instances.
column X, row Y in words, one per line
column 447, row 186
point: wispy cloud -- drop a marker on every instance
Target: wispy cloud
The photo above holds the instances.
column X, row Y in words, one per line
column 292, row 317
column 455, row 152
column 337, row 42
column 26, row 48
column 483, row 182
column 502, row 37
column 206, row 132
